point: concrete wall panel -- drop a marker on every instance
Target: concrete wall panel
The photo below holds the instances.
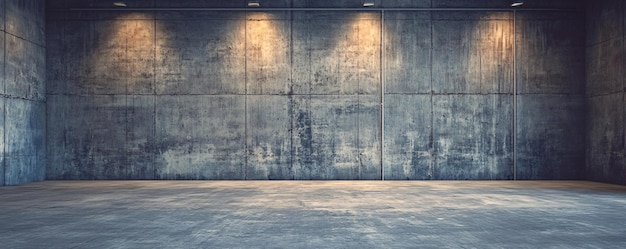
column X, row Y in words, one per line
column 605, row 20
column 605, row 153
column 201, row 57
column 140, row 137
column 369, row 143
column 24, row 128
column 268, row 53
column 337, row 53
column 549, row 146
column 200, row 137
column 106, row 57
column 472, row 54
column 605, row 67
column 550, row 53
column 407, row 52
column 408, row 137
column 24, row 169
column 472, row 137
column 326, row 137
column 25, row 141
column 83, row 145
column 56, row 69
column 25, row 69
column 26, row 19
column 269, row 138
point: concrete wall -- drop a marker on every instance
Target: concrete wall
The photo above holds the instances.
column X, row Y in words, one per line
column 22, row 91
column 605, row 91
column 297, row 94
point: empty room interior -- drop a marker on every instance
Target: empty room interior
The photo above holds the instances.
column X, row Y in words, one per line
column 312, row 124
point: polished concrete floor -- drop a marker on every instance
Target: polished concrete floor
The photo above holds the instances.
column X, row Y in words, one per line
column 312, row 214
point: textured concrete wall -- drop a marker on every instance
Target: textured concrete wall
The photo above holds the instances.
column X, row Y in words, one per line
column 22, row 91
column 605, row 91
column 297, row 95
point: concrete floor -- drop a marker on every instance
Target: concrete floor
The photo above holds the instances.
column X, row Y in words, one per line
column 312, row 214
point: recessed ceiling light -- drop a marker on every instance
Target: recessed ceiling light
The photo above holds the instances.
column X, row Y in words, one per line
column 254, row 3
column 368, row 3
column 517, row 3
column 119, row 4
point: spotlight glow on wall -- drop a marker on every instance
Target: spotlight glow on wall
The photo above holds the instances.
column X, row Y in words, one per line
column 517, row 3
column 254, row 3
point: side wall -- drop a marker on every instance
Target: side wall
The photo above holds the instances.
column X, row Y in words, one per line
column 297, row 94
column 605, row 91
column 22, row 91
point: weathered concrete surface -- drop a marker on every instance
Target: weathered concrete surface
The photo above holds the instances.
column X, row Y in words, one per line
column 24, row 149
column 338, row 214
column 472, row 137
column 140, row 137
column 547, row 148
column 268, row 49
column 25, row 69
column 335, row 137
column 2, row 15
column 118, row 143
column 605, row 92
column 550, row 53
column 407, row 52
column 2, row 141
column 605, row 71
column 293, row 95
column 206, row 56
column 22, row 92
column 472, row 52
column 2, row 62
column 103, row 57
column 200, row 137
column 408, row 137
column 86, row 146
column 269, row 136
column 26, row 19
column 605, row 151
column 336, row 53
column 604, row 21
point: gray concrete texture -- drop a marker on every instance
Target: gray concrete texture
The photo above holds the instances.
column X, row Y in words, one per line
column 605, row 90
column 313, row 214
column 22, row 92
column 296, row 95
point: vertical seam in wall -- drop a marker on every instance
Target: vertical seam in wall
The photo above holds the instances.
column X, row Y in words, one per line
column 514, row 123
column 382, row 95
column 245, row 100
column 431, row 144
column 290, row 99
column 623, row 104
column 4, row 107
column 4, row 88
column 154, row 101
